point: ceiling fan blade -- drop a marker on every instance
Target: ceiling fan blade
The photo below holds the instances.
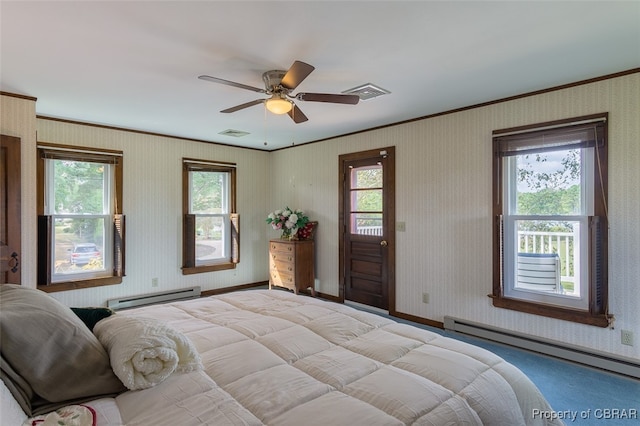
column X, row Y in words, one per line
column 298, row 72
column 328, row 97
column 231, row 83
column 297, row 115
column 243, row 106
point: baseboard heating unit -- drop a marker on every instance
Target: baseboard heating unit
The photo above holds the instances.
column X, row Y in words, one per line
column 585, row 356
column 153, row 298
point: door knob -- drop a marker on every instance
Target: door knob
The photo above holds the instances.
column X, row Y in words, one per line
column 14, row 257
column 383, row 243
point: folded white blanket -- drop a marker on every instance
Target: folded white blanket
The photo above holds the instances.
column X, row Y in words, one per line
column 144, row 351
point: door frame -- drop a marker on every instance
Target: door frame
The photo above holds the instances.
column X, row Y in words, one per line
column 389, row 218
column 11, row 180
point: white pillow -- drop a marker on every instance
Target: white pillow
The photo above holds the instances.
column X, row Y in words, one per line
column 12, row 414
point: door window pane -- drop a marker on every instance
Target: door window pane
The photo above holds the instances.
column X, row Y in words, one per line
column 366, row 200
column 369, row 200
column 366, row 177
column 366, row 224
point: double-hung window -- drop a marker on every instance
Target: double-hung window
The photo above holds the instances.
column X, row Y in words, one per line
column 550, row 243
column 211, row 239
column 80, row 224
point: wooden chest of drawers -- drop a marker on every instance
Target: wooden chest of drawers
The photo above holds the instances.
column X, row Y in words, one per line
column 291, row 265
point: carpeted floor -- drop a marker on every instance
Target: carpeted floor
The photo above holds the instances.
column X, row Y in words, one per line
column 583, row 395
column 588, row 394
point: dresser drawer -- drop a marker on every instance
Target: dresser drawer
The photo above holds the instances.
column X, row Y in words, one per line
column 283, row 267
column 281, row 247
column 278, row 256
column 282, row 279
column 291, row 264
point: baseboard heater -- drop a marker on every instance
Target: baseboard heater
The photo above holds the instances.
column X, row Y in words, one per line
column 625, row 366
column 153, row 298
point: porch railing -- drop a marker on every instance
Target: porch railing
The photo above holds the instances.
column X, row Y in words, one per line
column 562, row 243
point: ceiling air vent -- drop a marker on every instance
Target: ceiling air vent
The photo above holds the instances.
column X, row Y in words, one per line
column 367, row 91
column 234, row 133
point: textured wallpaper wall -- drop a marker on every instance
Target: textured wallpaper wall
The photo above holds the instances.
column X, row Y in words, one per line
column 443, row 194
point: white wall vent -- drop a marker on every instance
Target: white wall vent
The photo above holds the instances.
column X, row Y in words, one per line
column 233, row 133
column 152, row 298
column 367, row 91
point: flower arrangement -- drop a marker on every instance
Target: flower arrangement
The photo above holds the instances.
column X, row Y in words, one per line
column 288, row 220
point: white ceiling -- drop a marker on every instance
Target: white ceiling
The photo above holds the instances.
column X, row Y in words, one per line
column 135, row 64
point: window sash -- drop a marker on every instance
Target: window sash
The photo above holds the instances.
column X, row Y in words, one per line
column 539, row 138
column 114, row 220
column 60, row 273
column 231, row 222
column 581, row 264
column 45, row 265
column 225, row 240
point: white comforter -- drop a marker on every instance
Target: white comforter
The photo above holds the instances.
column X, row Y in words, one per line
column 274, row 358
column 144, row 351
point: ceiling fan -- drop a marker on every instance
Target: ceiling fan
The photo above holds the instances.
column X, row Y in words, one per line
column 279, row 85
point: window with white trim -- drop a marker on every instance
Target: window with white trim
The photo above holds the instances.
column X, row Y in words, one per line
column 551, row 219
column 80, row 225
column 211, row 224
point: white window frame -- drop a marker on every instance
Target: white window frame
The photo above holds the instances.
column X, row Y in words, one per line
column 224, row 215
column 230, row 219
column 587, row 133
column 511, row 217
column 106, row 217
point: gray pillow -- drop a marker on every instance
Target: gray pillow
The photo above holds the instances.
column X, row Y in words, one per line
column 49, row 357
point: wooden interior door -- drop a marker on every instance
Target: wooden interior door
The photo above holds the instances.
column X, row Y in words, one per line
column 367, row 221
column 10, row 209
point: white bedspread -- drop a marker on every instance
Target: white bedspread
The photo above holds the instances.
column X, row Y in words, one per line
column 274, row 358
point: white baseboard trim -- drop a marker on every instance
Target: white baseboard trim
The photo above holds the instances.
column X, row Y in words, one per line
column 586, row 356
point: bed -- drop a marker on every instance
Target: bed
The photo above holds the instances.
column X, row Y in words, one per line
column 269, row 357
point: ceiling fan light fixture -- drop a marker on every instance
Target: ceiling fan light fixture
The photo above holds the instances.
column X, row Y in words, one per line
column 278, row 105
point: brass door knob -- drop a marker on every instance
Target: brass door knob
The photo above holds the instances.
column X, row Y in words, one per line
column 383, row 243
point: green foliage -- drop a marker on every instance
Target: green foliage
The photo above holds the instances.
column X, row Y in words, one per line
column 550, row 201
column 367, row 184
column 552, row 190
column 207, row 190
column 79, row 189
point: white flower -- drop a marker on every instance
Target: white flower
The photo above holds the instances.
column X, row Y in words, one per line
column 286, row 213
column 277, row 212
column 289, row 224
column 271, row 216
column 293, row 218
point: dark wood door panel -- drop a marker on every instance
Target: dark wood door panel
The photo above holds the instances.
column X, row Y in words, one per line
column 371, row 247
column 367, row 223
column 369, row 292
column 10, row 210
column 366, row 267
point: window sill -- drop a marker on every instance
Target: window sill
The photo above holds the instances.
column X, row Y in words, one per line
column 76, row 285
column 566, row 314
column 207, row 268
